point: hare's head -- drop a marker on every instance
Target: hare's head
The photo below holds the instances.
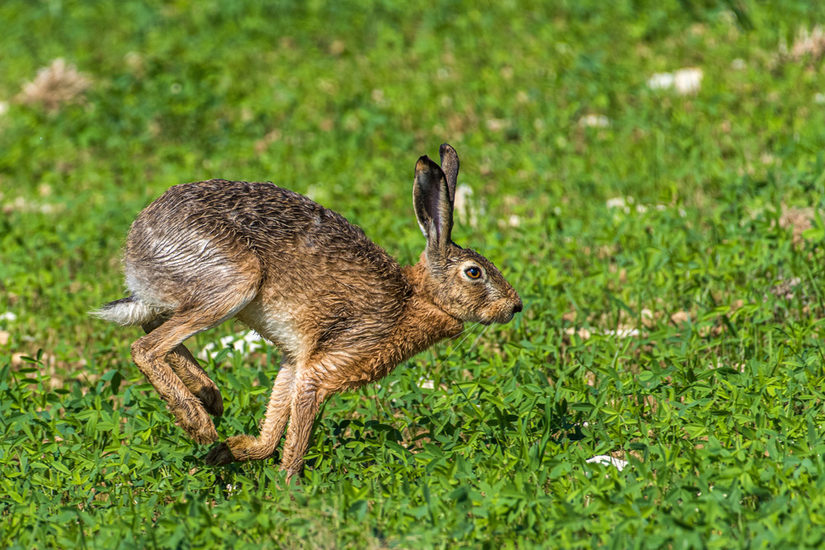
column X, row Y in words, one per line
column 460, row 281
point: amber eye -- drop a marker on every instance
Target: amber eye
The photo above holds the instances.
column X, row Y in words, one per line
column 473, row 272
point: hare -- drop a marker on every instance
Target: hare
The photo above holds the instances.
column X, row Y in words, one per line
column 342, row 311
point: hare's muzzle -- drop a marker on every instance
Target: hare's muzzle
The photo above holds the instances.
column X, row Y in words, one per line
column 507, row 311
column 517, row 307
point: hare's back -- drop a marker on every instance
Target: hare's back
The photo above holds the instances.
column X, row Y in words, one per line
column 196, row 232
column 203, row 218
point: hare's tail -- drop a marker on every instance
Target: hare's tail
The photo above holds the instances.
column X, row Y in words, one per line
column 127, row 311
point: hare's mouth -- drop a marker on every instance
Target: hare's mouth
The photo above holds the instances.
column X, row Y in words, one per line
column 508, row 311
column 501, row 319
column 505, row 318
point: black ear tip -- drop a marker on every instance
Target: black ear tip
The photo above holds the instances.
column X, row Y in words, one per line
column 423, row 163
column 445, row 147
column 426, row 164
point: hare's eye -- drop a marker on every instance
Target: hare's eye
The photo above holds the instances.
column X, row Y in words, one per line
column 473, row 272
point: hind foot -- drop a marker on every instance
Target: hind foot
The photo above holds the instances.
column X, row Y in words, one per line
column 211, row 400
column 193, row 418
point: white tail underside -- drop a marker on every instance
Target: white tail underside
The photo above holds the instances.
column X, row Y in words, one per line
column 128, row 311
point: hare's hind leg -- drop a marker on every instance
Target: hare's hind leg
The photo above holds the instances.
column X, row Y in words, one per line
column 245, row 447
column 150, row 353
column 186, row 368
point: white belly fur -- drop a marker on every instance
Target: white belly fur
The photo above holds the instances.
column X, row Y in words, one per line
column 274, row 322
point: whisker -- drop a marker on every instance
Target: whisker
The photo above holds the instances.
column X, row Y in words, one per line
column 467, row 333
column 480, row 334
column 453, row 382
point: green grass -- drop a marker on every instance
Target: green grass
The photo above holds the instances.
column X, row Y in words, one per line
column 715, row 260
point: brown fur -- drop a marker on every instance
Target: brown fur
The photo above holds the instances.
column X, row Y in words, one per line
column 342, row 311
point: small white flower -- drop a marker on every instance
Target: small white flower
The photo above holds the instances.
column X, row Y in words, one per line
column 688, row 81
column 738, row 64
column 8, row 316
column 497, row 124
column 582, row 333
column 594, row 121
column 622, row 332
column 4, row 107
column 617, row 463
column 684, row 81
column 244, row 344
column 660, row 81
column 616, row 202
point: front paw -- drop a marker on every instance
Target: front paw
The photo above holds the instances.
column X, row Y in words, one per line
column 293, row 474
column 219, row 455
column 237, row 448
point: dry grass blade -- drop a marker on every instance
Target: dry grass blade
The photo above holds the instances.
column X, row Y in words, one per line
column 55, row 85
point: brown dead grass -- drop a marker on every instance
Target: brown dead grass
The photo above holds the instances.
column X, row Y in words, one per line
column 56, row 85
column 798, row 220
column 807, row 45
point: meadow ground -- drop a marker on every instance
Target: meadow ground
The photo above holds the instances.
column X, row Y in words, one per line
column 649, row 175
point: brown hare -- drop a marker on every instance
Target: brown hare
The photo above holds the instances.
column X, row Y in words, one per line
column 341, row 310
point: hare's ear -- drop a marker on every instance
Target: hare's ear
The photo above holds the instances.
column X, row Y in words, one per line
column 449, row 164
column 432, row 203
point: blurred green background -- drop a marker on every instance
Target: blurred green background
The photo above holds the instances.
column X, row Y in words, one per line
column 648, row 175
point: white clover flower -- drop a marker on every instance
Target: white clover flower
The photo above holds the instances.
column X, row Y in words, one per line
column 617, row 463
column 688, row 81
column 241, row 343
column 594, row 121
column 684, row 81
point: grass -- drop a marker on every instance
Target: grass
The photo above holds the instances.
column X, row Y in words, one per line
column 670, row 256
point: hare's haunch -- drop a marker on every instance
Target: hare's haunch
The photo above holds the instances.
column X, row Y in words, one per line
column 342, row 311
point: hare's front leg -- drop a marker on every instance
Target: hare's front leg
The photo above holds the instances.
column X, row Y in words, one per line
column 306, row 398
column 245, row 447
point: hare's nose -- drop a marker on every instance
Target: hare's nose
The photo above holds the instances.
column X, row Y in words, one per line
column 518, row 307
